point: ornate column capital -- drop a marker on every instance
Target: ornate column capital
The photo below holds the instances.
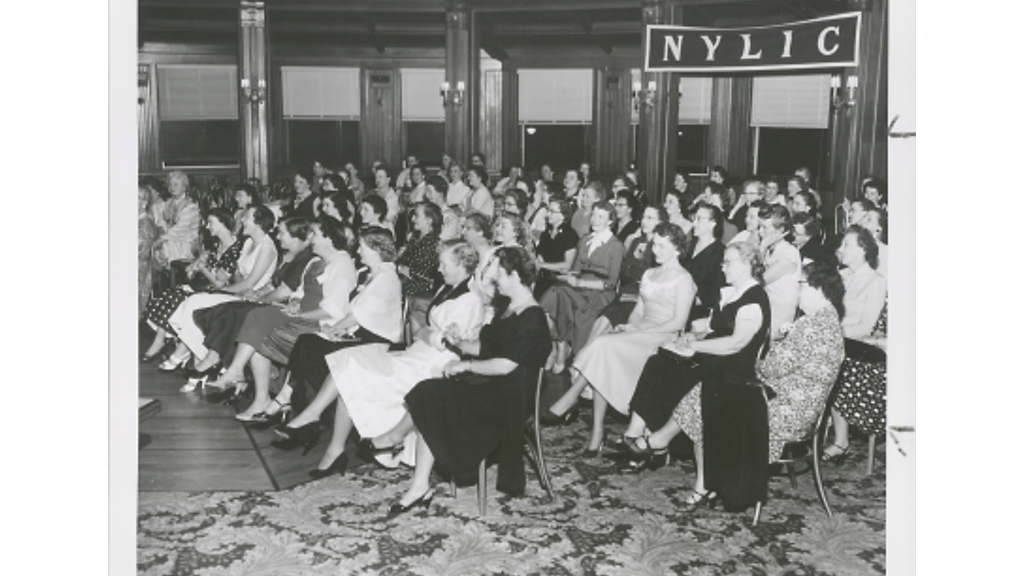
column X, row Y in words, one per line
column 253, row 14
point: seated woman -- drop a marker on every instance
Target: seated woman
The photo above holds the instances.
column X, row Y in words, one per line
column 255, row 268
column 480, row 405
column 751, row 221
column 627, row 213
column 374, row 317
column 537, row 210
column 213, row 269
column 587, row 198
column 437, row 190
column 782, row 266
column 862, row 380
column 639, row 257
column 801, row 367
column 417, row 260
column 575, row 302
column 246, row 195
column 373, row 212
column 611, row 363
column 809, row 238
column 370, row 383
column 294, row 283
column 178, row 219
column 556, row 248
column 148, row 233
column 512, row 230
column 677, row 210
column 268, row 333
column 705, row 262
column 731, row 448
column 516, row 202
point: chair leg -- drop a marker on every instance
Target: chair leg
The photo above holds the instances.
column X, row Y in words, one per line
column 816, row 462
column 757, row 513
column 871, row 454
column 542, row 466
column 481, row 488
column 791, row 469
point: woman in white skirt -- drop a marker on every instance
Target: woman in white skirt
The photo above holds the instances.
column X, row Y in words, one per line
column 612, row 362
column 371, row 383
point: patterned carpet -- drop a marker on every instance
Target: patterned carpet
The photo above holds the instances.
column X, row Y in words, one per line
column 601, row 522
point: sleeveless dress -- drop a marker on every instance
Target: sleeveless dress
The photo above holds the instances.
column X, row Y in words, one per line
column 612, row 362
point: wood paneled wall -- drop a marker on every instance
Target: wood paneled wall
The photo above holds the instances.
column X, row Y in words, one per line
column 860, row 135
column 729, row 136
column 380, row 128
column 612, row 115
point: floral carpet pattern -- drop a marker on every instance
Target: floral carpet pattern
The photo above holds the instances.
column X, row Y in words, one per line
column 600, row 522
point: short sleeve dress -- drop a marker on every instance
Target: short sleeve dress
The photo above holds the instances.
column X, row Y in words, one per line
column 465, row 419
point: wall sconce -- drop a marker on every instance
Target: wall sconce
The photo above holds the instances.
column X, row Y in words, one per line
column 257, row 95
column 645, row 96
column 453, row 97
column 838, row 101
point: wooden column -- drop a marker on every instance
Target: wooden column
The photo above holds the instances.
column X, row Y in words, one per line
column 252, row 75
column 148, row 121
column 499, row 105
column 380, row 128
column 729, row 132
column 462, row 64
column 860, row 132
column 659, row 121
column 612, row 111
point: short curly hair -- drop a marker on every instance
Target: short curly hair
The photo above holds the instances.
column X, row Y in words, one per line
column 750, row 254
column 381, row 241
column 517, row 259
column 825, row 277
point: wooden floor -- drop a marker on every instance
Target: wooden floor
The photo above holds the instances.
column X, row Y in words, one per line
column 194, row 445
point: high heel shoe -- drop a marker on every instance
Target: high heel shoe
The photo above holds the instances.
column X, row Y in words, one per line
column 838, row 458
column 199, row 378
column 593, row 453
column 266, row 418
column 306, row 436
column 337, row 467
column 423, row 501
column 367, row 451
column 644, row 457
column 173, row 363
column 549, row 418
column 225, row 395
column 698, row 499
column 618, row 445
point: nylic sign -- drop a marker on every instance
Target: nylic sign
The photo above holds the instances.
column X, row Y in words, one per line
column 828, row 42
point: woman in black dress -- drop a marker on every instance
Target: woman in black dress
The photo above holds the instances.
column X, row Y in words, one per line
column 705, row 262
column 732, row 461
column 481, row 404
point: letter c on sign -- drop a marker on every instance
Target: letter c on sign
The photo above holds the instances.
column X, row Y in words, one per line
column 821, row 41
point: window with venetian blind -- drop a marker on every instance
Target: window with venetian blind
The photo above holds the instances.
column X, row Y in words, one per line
column 791, row 116
column 423, row 114
column 198, row 110
column 556, row 115
column 694, row 118
column 321, row 108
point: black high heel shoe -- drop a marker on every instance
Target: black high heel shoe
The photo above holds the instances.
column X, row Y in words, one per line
column 305, row 436
column 423, row 501
column 549, row 418
column 262, row 420
column 337, row 467
column 643, row 457
column 588, row 453
column 367, row 451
